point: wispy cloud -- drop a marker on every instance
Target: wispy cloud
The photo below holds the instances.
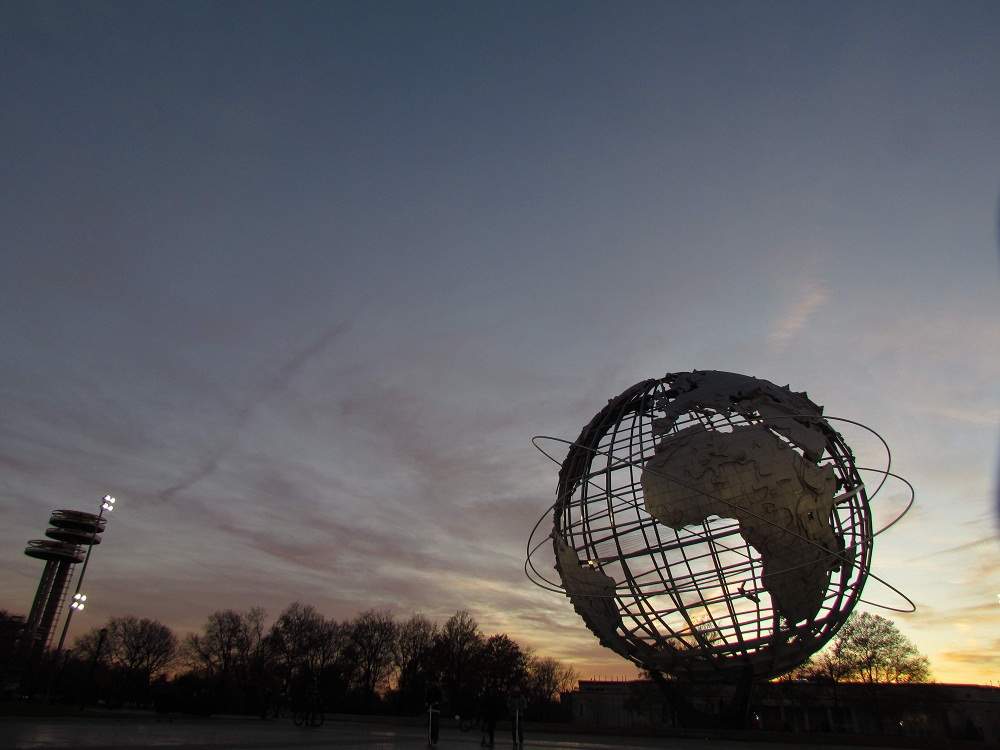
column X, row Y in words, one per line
column 987, row 416
column 975, row 543
column 983, row 613
column 986, row 657
column 809, row 298
column 273, row 385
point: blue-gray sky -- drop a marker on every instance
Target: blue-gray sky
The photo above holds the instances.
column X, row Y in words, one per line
column 297, row 282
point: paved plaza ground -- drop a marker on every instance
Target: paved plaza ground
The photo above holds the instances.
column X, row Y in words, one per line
column 22, row 733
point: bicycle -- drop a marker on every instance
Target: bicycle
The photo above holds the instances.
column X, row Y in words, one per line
column 308, row 718
column 469, row 723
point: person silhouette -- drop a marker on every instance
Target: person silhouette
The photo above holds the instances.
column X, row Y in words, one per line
column 433, row 697
column 516, row 703
column 491, row 710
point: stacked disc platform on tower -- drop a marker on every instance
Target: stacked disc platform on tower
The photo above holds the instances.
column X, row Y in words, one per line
column 70, row 533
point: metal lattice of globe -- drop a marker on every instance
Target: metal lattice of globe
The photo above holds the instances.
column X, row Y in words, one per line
column 711, row 525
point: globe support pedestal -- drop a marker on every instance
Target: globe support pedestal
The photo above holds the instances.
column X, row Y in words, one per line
column 738, row 711
column 733, row 714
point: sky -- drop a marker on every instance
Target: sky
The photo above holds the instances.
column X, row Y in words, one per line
column 297, row 283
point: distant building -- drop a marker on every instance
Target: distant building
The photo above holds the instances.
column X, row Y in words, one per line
column 929, row 710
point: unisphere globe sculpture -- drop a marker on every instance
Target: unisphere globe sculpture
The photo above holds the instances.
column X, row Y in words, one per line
column 712, row 526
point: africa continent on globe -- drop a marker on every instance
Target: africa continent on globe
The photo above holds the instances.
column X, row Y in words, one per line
column 710, row 524
column 751, row 475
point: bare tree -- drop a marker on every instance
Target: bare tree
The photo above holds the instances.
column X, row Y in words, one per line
column 302, row 640
column 829, row 664
column 547, row 678
column 501, row 664
column 229, row 645
column 373, row 644
column 310, row 656
column 85, row 647
column 456, row 649
column 140, row 648
column 870, row 648
column 807, row 670
column 414, row 642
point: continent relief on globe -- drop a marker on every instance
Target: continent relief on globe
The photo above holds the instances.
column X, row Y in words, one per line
column 781, row 501
column 592, row 594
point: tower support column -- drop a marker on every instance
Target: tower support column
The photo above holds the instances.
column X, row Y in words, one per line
column 38, row 606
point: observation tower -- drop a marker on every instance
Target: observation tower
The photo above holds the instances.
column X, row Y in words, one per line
column 71, row 536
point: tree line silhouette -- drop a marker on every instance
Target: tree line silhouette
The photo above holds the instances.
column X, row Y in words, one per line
column 373, row 663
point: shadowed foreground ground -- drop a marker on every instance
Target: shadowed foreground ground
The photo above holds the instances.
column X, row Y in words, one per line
column 236, row 734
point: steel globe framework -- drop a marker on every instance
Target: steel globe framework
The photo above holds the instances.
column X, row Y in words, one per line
column 711, row 526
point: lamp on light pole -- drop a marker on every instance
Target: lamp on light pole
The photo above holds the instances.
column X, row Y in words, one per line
column 79, row 600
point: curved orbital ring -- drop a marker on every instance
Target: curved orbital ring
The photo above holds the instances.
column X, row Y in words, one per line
column 544, row 583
